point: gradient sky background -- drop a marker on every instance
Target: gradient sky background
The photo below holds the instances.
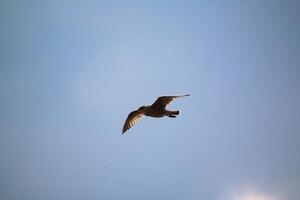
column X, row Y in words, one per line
column 71, row 71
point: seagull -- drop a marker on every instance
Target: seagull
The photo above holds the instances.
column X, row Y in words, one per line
column 157, row 109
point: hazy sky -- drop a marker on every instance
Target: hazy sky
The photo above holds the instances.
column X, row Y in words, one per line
column 71, row 71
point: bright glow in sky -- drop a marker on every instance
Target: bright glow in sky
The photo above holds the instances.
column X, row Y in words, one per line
column 251, row 195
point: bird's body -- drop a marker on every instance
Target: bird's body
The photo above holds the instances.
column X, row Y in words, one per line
column 158, row 112
column 157, row 109
column 150, row 112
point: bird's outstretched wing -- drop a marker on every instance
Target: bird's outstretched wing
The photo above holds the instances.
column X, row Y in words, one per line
column 132, row 119
column 163, row 101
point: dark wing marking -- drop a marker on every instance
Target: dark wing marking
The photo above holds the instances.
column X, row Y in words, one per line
column 132, row 119
column 163, row 101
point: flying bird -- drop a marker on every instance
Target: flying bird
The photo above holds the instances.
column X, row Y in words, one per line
column 157, row 109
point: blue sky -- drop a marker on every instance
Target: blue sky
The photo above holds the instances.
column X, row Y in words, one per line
column 71, row 71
